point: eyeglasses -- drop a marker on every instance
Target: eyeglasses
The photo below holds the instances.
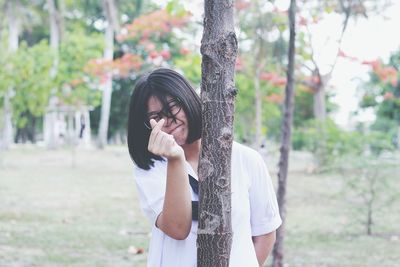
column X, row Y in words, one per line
column 173, row 108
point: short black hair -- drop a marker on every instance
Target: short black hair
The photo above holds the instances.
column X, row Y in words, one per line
column 161, row 83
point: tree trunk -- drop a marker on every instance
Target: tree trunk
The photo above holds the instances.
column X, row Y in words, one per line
column 13, row 43
column 369, row 219
column 50, row 131
column 111, row 16
column 320, row 102
column 286, row 140
column 219, row 51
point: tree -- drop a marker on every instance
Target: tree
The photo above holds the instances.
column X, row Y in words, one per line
column 12, row 14
column 55, row 19
column 111, row 13
column 286, row 138
column 147, row 42
column 27, row 72
column 261, row 58
column 219, row 50
column 368, row 186
column 311, row 13
column 382, row 93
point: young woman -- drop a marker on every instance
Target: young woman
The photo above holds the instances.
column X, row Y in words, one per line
column 164, row 142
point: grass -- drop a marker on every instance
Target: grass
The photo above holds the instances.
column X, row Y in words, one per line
column 56, row 214
column 79, row 208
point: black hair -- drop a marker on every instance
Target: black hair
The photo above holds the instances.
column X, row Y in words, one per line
column 160, row 83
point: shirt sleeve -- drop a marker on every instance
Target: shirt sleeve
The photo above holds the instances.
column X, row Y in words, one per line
column 151, row 191
column 264, row 209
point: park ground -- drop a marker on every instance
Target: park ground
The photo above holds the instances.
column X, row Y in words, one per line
column 79, row 208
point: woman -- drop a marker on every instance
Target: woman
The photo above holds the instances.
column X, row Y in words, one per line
column 164, row 133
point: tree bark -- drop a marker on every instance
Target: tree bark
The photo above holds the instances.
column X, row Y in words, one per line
column 111, row 16
column 219, row 51
column 278, row 252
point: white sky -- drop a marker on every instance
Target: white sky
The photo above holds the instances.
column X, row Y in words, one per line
column 366, row 39
column 370, row 39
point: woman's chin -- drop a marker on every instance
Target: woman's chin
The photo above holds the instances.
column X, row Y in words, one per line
column 180, row 141
column 179, row 136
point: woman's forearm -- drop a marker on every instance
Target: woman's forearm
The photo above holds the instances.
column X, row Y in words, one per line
column 176, row 218
column 263, row 245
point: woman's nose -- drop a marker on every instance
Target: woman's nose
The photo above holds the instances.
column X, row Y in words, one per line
column 168, row 121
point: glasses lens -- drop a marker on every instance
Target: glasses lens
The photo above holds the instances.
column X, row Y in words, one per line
column 174, row 107
column 156, row 117
column 174, row 110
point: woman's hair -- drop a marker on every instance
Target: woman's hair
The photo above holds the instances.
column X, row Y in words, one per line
column 160, row 83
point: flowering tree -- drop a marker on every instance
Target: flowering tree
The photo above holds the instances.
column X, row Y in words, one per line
column 382, row 93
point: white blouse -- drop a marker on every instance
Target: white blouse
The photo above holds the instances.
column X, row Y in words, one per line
column 254, row 211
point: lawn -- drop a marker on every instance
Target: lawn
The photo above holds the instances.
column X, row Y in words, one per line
column 79, row 208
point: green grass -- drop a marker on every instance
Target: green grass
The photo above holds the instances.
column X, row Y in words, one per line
column 80, row 209
column 55, row 214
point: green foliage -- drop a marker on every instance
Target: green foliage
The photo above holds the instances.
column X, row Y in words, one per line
column 174, row 7
column 338, row 142
column 27, row 73
column 303, row 107
column 383, row 95
column 75, row 86
column 244, row 123
column 190, row 64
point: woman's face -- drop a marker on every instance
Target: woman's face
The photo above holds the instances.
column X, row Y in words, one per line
column 177, row 126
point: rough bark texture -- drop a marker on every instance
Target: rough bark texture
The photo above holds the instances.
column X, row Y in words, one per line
column 286, row 139
column 110, row 11
column 219, row 50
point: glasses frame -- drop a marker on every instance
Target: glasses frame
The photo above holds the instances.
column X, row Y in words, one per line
column 165, row 112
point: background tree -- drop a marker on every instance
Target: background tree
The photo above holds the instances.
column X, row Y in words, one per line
column 261, row 57
column 278, row 252
column 55, row 24
column 219, row 50
column 312, row 14
column 146, row 42
column 111, row 14
column 369, row 187
column 12, row 10
column 382, row 94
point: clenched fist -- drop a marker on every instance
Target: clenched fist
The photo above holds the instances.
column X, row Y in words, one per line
column 163, row 144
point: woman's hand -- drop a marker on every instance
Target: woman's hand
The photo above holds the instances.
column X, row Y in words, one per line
column 163, row 144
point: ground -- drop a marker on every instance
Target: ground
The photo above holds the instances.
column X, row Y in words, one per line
column 79, row 208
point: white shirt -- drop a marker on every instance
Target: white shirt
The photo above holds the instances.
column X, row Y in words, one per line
column 254, row 211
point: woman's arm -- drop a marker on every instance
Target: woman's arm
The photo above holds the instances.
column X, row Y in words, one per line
column 263, row 245
column 175, row 220
column 176, row 217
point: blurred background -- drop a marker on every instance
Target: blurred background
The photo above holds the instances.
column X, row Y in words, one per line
column 67, row 69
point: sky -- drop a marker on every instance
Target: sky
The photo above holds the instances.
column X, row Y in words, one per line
column 369, row 39
column 366, row 39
